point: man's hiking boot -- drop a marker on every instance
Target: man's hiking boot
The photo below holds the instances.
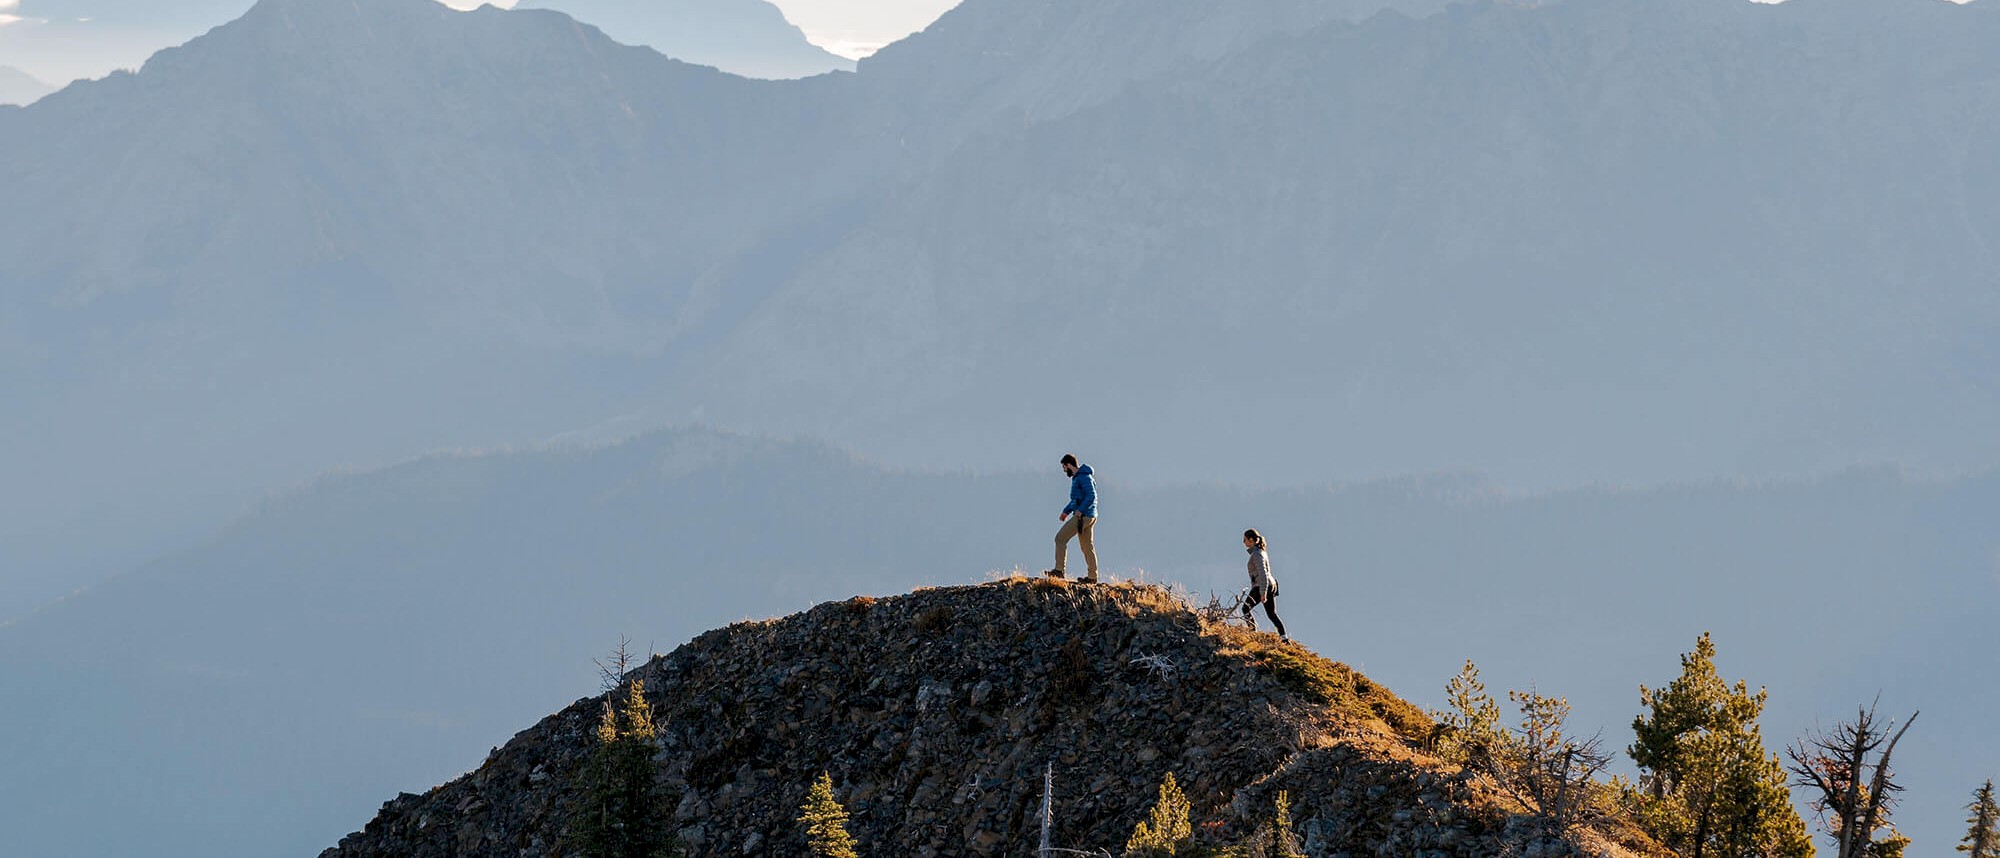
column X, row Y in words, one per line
column 1090, row 580
column 1053, row 573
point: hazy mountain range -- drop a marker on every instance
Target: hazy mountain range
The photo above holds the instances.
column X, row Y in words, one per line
column 1272, row 242
column 356, row 264
column 66, row 40
column 281, row 251
column 19, row 87
column 1594, row 240
column 1589, row 240
column 377, row 632
column 746, row 37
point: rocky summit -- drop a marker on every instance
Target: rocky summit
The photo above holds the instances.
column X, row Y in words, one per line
column 937, row 714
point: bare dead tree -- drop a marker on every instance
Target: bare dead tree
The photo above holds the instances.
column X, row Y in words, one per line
column 1548, row 771
column 1224, row 613
column 1048, row 814
column 611, row 669
column 1554, row 784
column 1852, row 785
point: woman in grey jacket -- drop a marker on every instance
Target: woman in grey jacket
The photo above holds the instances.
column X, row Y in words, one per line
column 1263, row 587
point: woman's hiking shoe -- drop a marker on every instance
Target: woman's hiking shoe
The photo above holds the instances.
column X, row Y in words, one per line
column 1053, row 573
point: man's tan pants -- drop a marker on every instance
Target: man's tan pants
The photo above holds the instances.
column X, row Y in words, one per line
column 1079, row 526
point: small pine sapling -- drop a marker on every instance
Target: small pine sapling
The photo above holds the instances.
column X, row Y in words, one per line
column 825, row 822
column 624, row 812
column 1284, row 844
column 1166, row 830
column 1470, row 729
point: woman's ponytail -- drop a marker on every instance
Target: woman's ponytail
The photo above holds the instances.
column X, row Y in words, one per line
column 1256, row 539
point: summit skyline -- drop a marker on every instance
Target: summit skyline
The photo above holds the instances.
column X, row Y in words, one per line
column 61, row 41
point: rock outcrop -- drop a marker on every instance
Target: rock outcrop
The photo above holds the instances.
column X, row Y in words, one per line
column 937, row 712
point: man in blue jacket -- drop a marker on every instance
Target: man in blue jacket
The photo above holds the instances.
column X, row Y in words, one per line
column 1083, row 506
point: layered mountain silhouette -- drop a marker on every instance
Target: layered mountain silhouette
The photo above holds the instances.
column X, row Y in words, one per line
column 88, row 38
column 1588, row 240
column 1500, row 236
column 205, row 264
column 747, row 37
column 376, row 633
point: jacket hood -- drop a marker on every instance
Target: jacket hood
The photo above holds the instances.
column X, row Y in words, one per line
column 1082, row 470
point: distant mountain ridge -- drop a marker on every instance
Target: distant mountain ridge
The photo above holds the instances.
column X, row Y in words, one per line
column 1404, row 240
column 87, row 38
column 324, row 195
column 1043, row 59
column 18, row 87
column 1383, row 230
column 746, row 37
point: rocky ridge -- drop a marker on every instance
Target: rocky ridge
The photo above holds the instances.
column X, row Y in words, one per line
column 937, row 711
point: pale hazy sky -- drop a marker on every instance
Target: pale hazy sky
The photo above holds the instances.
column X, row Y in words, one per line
column 857, row 27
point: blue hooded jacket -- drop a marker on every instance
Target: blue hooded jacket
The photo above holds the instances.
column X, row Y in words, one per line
column 1082, row 493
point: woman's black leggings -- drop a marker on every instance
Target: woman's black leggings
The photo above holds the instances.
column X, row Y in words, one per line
column 1270, row 610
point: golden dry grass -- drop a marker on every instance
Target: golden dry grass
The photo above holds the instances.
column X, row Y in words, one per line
column 1329, row 683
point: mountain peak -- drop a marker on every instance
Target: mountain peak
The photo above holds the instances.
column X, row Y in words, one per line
column 937, row 712
column 19, row 87
column 283, row 31
column 348, row 7
column 330, row 10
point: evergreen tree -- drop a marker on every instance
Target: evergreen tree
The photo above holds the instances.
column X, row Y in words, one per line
column 1709, row 789
column 1470, row 729
column 1166, row 830
column 624, row 812
column 1283, row 843
column 1983, row 839
column 1890, row 846
column 825, row 821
